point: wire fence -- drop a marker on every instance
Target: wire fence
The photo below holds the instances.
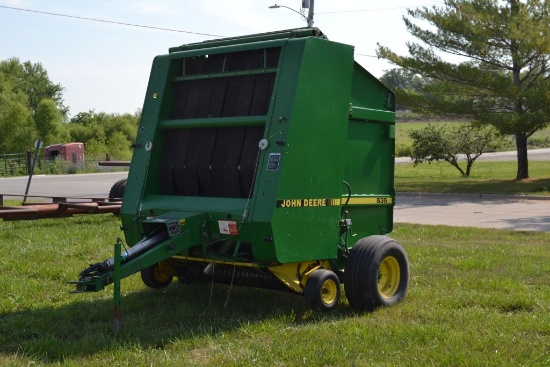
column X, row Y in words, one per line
column 18, row 164
column 14, row 164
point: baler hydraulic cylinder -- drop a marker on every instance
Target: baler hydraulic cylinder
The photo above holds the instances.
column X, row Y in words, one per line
column 131, row 253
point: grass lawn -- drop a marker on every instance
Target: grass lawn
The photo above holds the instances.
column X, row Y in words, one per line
column 477, row 298
column 486, row 178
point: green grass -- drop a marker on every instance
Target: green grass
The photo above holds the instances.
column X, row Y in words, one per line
column 477, row 298
column 486, row 178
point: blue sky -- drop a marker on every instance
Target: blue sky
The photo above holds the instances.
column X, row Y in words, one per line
column 105, row 67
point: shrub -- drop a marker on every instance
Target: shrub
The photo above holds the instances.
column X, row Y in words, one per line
column 403, row 150
column 449, row 144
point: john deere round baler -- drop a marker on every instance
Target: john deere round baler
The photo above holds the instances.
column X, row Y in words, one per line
column 264, row 161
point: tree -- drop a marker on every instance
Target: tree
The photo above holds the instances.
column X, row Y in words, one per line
column 440, row 143
column 96, row 148
column 118, row 146
column 402, row 80
column 49, row 123
column 84, row 118
column 16, row 126
column 31, row 106
column 16, row 123
column 105, row 133
column 32, row 80
column 504, row 79
column 35, row 83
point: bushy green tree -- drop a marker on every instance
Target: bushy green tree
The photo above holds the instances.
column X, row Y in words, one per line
column 32, row 80
column 95, row 148
column 452, row 144
column 36, row 84
column 49, row 123
column 118, row 146
column 31, row 107
column 501, row 69
column 104, row 133
column 17, row 131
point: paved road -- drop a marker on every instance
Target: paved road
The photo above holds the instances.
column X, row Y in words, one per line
column 487, row 211
column 469, row 210
column 95, row 185
column 534, row 155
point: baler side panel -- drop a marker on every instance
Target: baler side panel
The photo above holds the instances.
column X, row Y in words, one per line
column 371, row 154
column 147, row 149
column 312, row 163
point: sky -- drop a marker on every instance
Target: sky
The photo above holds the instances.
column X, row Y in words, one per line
column 105, row 67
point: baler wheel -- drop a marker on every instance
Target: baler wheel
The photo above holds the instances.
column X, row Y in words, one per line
column 376, row 273
column 322, row 290
column 153, row 277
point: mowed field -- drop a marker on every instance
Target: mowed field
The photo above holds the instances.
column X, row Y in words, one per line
column 540, row 139
column 476, row 298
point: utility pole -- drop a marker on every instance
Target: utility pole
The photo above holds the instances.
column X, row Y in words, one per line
column 309, row 4
column 306, row 4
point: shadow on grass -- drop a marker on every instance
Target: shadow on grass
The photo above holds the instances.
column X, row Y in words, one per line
column 151, row 319
column 531, row 223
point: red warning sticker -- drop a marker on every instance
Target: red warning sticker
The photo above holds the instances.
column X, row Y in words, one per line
column 228, row 227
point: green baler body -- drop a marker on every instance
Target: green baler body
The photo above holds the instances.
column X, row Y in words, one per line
column 252, row 138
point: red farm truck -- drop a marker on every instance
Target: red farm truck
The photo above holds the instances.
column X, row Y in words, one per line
column 72, row 152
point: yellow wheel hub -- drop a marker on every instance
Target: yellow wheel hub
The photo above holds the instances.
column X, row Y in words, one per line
column 159, row 275
column 389, row 275
column 329, row 292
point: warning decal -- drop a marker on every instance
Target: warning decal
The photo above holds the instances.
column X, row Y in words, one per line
column 273, row 161
column 228, row 227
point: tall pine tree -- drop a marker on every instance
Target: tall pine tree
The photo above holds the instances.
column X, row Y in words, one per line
column 502, row 76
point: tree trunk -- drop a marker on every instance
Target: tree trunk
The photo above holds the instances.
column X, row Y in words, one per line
column 523, row 163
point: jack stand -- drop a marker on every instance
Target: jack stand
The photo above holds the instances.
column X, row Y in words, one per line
column 116, row 283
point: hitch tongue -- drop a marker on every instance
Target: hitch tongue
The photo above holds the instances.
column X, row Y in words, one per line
column 95, row 277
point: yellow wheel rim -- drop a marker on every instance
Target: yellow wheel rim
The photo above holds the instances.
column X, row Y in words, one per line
column 329, row 292
column 389, row 275
column 159, row 276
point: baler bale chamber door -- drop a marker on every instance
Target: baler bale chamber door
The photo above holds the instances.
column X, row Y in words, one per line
column 262, row 156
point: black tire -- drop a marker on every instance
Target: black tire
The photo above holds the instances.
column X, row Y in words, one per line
column 117, row 190
column 322, row 290
column 376, row 273
column 153, row 277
